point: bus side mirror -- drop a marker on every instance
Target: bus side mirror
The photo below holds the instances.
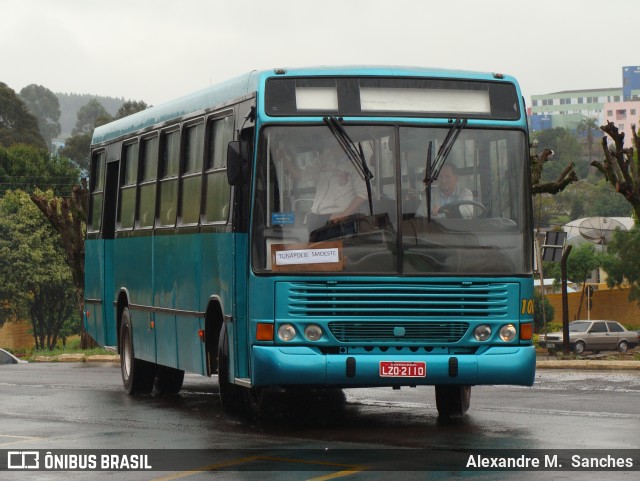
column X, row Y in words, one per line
column 238, row 162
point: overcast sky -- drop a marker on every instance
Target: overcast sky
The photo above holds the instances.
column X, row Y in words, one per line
column 155, row 50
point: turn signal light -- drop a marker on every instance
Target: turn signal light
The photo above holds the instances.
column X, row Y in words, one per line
column 526, row 331
column 264, row 332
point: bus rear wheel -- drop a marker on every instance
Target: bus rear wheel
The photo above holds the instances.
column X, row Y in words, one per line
column 168, row 381
column 452, row 400
column 137, row 375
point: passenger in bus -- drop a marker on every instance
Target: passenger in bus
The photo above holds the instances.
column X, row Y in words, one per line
column 340, row 189
column 448, row 191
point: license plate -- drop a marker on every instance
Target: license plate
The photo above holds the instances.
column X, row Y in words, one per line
column 402, row 369
column 551, row 345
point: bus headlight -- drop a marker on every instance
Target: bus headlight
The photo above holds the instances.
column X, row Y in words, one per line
column 482, row 332
column 313, row 332
column 286, row 332
column 508, row 333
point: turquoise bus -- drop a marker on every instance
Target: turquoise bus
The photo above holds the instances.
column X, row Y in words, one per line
column 317, row 229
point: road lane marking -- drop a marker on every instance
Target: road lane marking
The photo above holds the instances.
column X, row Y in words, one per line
column 18, row 439
column 351, row 469
column 339, row 474
column 210, row 467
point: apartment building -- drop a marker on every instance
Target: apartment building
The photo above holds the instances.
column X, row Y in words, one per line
column 566, row 109
column 624, row 115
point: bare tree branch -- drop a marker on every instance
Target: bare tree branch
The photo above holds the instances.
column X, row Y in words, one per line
column 566, row 177
column 619, row 167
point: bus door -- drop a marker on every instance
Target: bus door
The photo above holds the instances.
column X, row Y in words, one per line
column 99, row 247
column 108, row 234
column 241, row 201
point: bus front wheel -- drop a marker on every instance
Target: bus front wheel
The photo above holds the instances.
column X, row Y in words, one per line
column 137, row 375
column 452, row 400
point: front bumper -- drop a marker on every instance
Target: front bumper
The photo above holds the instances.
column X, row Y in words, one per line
column 306, row 366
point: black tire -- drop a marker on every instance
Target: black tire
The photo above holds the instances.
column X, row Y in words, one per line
column 168, row 381
column 232, row 397
column 254, row 399
column 137, row 375
column 579, row 348
column 452, row 400
column 623, row 347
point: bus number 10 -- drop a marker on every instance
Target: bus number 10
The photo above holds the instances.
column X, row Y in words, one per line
column 527, row 306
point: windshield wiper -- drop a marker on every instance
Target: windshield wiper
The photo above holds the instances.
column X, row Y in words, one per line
column 428, row 180
column 432, row 171
column 354, row 153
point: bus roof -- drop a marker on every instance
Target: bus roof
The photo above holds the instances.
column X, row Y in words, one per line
column 173, row 109
column 249, row 83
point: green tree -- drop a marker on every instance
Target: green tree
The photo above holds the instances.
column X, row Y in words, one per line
column 77, row 147
column 577, row 208
column 587, row 126
column 35, row 281
column 130, row 107
column 588, row 199
column 32, row 170
column 605, row 202
column 17, row 125
column 90, row 116
column 44, row 104
column 68, row 217
column 542, row 311
column 582, row 261
column 26, row 167
column 622, row 261
column 544, row 210
column 566, row 151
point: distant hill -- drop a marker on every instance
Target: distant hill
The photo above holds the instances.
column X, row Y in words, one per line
column 71, row 103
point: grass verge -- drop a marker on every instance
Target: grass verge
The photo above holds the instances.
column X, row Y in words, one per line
column 72, row 347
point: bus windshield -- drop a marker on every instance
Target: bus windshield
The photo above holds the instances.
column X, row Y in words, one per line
column 315, row 213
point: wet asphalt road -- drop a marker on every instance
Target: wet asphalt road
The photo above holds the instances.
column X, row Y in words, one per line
column 82, row 406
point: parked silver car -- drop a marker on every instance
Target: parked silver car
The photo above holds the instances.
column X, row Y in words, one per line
column 593, row 336
column 7, row 358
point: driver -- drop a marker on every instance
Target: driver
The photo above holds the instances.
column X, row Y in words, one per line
column 448, row 191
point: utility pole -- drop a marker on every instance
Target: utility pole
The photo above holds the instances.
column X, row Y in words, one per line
column 565, row 300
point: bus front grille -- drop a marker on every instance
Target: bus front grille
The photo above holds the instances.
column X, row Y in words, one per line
column 432, row 332
column 402, row 300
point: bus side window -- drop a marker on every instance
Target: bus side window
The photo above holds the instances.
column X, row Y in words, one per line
column 216, row 207
column 128, row 180
column 192, row 174
column 97, row 192
column 149, row 171
column 168, row 186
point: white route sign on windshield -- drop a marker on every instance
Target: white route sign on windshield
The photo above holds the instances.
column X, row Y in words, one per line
column 307, row 256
